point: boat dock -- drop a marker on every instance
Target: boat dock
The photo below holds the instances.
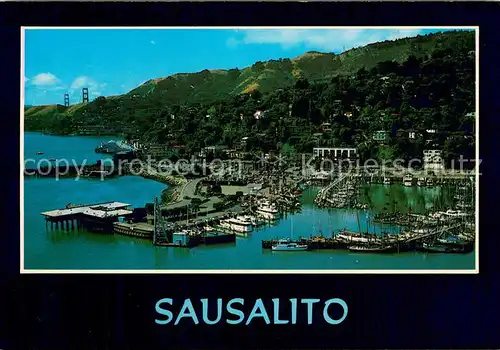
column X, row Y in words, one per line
column 391, row 243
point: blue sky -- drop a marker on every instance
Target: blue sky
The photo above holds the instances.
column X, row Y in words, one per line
column 114, row 61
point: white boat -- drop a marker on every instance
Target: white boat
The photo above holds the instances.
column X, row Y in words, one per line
column 421, row 181
column 254, row 221
column 286, row 245
column 387, row 180
column 237, row 224
column 268, row 211
column 408, row 180
column 430, row 183
column 352, row 237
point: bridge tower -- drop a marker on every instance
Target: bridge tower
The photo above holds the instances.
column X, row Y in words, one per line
column 85, row 95
column 66, row 100
column 159, row 224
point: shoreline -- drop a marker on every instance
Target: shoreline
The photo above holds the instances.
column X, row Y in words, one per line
column 168, row 195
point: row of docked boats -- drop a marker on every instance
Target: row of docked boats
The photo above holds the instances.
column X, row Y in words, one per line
column 430, row 219
column 457, row 240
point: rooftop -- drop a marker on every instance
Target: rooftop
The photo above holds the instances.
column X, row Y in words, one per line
column 79, row 210
column 106, row 213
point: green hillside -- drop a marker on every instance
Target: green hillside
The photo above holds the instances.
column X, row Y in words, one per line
column 138, row 111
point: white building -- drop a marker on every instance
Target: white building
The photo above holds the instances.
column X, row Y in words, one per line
column 433, row 160
column 335, row 152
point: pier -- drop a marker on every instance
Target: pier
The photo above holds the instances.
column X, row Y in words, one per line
column 96, row 217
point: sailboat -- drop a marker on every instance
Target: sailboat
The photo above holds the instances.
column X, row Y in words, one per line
column 287, row 245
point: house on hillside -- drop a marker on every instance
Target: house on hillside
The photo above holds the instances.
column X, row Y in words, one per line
column 326, row 127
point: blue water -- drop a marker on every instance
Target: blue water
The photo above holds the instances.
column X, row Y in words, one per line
column 48, row 249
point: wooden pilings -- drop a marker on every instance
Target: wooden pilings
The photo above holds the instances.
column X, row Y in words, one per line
column 65, row 224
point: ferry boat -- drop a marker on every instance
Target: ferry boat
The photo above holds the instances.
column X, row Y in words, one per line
column 408, row 180
column 237, row 224
column 421, row 181
column 286, row 245
column 387, row 180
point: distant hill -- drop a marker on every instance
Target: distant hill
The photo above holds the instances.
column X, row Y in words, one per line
column 213, row 85
column 206, row 86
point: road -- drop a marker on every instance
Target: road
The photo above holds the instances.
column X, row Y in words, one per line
column 189, row 188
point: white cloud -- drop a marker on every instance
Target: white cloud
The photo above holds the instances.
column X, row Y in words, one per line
column 95, row 88
column 45, row 79
column 321, row 39
column 153, row 42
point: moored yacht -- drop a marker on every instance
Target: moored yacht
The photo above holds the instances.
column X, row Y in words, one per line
column 237, row 224
column 387, row 180
column 287, row 245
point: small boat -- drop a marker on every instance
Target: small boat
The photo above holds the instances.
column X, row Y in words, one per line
column 421, row 181
column 430, row 183
column 387, row 180
column 286, row 245
column 39, row 153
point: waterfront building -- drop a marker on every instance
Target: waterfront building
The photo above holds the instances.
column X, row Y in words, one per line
column 97, row 217
column 335, row 152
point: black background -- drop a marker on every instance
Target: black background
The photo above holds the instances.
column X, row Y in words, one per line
column 389, row 311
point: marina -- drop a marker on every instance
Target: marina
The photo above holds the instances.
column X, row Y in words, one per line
column 367, row 225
